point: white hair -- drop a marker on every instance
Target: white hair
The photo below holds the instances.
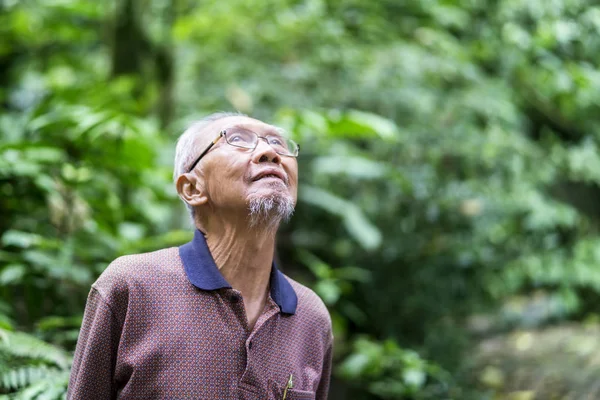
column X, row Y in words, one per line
column 270, row 211
column 186, row 152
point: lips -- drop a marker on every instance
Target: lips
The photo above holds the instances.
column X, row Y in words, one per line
column 270, row 173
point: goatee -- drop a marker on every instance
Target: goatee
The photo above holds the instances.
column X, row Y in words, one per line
column 269, row 211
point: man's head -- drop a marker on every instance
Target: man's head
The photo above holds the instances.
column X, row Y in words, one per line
column 233, row 180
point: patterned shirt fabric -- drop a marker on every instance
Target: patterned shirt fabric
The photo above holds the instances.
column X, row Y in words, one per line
column 167, row 325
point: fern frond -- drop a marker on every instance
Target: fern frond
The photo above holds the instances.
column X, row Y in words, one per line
column 22, row 345
column 30, row 383
column 31, row 368
column 20, row 377
column 50, row 388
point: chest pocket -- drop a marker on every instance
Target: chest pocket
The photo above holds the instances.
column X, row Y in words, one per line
column 293, row 394
column 276, row 391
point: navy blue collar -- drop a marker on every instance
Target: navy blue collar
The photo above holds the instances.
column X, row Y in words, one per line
column 203, row 273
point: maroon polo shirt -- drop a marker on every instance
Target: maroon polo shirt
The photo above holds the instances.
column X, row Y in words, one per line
column 167, row 325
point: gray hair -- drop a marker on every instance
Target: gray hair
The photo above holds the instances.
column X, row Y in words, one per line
column 270, row 211
column 186, row 152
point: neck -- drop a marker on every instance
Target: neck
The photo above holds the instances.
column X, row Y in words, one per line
column 244, row 256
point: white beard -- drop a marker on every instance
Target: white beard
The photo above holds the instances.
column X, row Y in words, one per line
column 271, row 210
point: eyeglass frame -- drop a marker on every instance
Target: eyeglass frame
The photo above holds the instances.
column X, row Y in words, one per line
column 223, row 133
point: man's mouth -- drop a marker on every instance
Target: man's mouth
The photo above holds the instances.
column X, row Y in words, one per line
column 270, row 174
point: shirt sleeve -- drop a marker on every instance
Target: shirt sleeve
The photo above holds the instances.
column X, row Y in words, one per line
column 323, row 388
column 92, row 373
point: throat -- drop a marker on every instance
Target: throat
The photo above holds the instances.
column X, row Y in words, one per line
column 254, row 309
column 245, row 263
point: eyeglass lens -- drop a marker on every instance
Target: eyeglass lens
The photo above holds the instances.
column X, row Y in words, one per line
column 248, row 139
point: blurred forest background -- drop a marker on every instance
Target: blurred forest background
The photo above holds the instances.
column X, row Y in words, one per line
column 450, row 176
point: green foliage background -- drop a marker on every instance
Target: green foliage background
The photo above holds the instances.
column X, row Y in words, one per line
column 449, row 167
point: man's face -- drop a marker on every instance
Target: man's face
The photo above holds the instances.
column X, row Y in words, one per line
column 235, row 177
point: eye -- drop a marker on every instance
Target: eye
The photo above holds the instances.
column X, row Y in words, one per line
column 240, row 138
column 276, row 141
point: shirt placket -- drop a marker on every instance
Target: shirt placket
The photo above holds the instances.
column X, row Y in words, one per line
column 249, row 379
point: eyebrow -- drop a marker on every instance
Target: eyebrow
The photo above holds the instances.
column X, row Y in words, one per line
column 272, row 130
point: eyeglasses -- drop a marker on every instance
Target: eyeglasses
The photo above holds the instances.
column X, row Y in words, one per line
column 246, row 139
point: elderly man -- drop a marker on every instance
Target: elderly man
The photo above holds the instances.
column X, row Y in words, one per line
column 214, row 318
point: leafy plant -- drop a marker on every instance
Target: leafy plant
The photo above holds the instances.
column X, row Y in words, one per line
column 31, row 368
column 390, row 372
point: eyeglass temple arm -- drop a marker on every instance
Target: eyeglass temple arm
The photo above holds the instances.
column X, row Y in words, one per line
column 221, row 134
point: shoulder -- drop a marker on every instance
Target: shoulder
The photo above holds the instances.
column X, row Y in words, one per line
column 129, row 272
column 310, row 306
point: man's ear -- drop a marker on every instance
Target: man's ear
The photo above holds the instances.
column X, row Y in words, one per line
column 191, row 189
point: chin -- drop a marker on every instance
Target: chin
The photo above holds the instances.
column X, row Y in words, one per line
column 270, row 208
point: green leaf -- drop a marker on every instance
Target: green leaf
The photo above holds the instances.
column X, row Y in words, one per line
column 354, row 167
column 355, row 365
column 19, row 344
column 356, row 123
column 356, row 223
column 328, row 290
column 12, row 274
column 320, row 269
column 414, row 377
column 20, row 239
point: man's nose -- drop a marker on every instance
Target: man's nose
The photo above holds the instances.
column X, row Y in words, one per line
column 265, row 153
